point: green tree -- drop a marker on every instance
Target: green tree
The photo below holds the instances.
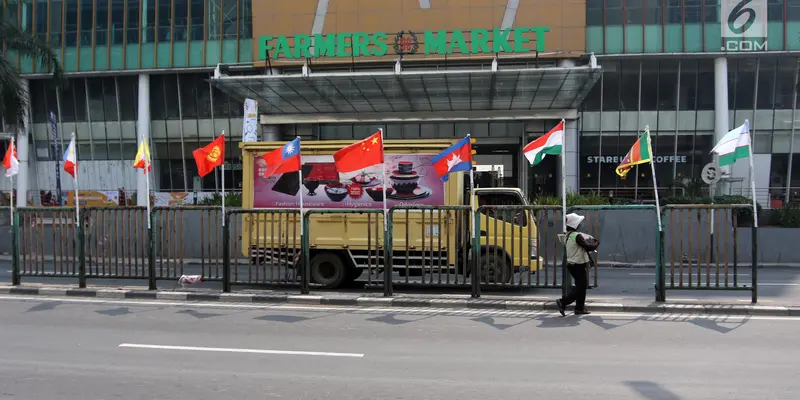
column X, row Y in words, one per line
column 13, row 101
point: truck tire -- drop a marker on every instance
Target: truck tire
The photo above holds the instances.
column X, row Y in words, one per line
column 328, row 270
column 495, row 268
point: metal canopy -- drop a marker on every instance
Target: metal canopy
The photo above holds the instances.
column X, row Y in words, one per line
column 414, row 90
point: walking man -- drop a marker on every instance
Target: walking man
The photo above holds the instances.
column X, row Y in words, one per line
column 578, row 246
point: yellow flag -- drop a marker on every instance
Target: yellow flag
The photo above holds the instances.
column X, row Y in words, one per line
column 142, row 157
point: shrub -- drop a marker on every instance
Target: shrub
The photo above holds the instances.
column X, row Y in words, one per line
column 573, row 199
column 231, row 200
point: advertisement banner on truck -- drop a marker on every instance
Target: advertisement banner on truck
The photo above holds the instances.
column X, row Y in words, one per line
column 411, row 181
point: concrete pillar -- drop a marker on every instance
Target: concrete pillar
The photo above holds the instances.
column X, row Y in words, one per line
column 721, row 111
column 143, row 133
column 23, row 140
column 571, row 159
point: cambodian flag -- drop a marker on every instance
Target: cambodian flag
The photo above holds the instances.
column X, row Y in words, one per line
column 456, row 158
column 284, row 159
column 70, row 160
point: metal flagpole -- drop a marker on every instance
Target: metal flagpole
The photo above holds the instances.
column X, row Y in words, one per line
column 77, row 198
column 564, row 174
column 300, row 177
column 385, row 194
column 752, row 174
column 147, row 180
column 653, row 171
column 223, row 179
column 11, row 194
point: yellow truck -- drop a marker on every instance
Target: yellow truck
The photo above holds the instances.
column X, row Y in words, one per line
column 343, row 245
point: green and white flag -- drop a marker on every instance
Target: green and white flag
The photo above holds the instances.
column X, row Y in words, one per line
column 734, row 145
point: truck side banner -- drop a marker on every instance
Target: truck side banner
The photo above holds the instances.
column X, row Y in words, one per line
column 411, row 180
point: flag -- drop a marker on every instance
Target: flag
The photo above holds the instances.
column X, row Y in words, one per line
column 211, row 156
column 456, row 158
column 549, row 144
column 70, row 160
column 734, row 145
column 361, row 154
column 142, row 159
column 638, row 154
column 11, row 160
column 283, row 160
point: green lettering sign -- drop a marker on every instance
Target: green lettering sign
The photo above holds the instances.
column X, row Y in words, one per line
column 377, row 44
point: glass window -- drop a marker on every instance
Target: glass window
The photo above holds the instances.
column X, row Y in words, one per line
column 674, row 11
column 745, row 81
column 594, row 13
column 109, row 99
column 87, row 21
column 766, row 83
column 214, row 15
column 592, row 101
column 95, row 86
column 188, row 88
column 27, row 15
column 784, row 90
column 693, row 10
column 203, row 95
column 652, row 12
column 688, row 85
column 649, row 85
column 611, row 88
column 68, row 100
column 629, row 86
column 667, row 84
column 246, row 19
column 633, row 11
column 196, row 15
column 149, row 21
column 40, row 24
column 56, row 7
column 133, row 21
column 117, row 27
column 71, row 24
column 793, row 10
column 101, row 23
column 158, row 108
column 705, row 84
column 38, row 101
column 80, row 100
column 712, row 10
column 230, row 18
column 164, row 20
column 614, row 12
column 180, row 20
column 128, row 87
column 775, row 10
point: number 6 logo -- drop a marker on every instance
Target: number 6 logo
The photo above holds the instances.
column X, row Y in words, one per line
column 740, row 9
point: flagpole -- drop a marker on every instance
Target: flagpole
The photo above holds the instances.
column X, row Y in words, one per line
column 223, row 180
column 564, row 174
column 752, row 175
column 471, row 190
column 385, row 194
column 300, row 177
column 75, row 179
column 653, row 171
column 11, row 194
column 147, row 166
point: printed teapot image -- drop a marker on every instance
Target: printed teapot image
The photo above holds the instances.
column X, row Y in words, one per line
column 405, row 182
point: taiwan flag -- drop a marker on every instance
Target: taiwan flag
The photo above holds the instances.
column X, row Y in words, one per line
column 284, row 159
column 456, row 158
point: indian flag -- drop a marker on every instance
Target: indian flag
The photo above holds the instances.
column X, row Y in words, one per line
column 550, row 143
column 734, row 145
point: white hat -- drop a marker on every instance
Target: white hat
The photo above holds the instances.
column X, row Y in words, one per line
column 574, row 220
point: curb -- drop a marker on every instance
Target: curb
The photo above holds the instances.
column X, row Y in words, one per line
column 399, row 302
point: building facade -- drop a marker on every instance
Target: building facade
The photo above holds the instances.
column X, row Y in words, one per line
column 176, row 72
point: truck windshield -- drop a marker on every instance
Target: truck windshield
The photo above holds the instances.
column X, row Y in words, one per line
column 489, row 199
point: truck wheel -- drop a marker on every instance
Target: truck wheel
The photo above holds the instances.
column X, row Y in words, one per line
column 328, row 270
column 495, row 268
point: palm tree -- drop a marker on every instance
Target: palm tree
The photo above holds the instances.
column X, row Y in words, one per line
column 13, row 101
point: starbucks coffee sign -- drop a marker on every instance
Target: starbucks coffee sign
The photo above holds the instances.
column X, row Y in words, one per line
column 618, row 159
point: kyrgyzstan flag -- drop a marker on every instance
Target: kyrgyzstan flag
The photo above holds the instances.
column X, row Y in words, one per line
column 284, row 159
column 11, row 160
column 211, row 156
column 455, row 158
column 361, row 154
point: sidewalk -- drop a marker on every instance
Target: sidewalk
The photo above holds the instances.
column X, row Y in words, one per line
column 516, row 303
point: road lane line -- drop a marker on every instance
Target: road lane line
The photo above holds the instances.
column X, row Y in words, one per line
column 233, row 350
column 777, row 284
column 653, row 273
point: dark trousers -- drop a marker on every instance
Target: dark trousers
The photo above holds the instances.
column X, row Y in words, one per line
column 577, row 293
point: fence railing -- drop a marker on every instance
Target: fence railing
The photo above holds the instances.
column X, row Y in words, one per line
column 511, row 247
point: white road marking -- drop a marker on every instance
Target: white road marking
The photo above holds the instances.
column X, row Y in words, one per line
column 722, row 276
column 395, row 310
column 777, row 284
column 232, row 350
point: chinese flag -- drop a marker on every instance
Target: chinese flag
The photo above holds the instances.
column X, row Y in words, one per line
column 211, row 156
column 360, row 155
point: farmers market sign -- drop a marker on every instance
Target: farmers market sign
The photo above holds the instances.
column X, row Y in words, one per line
column 362, row 44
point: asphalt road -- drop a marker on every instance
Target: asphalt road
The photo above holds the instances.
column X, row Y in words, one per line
column 777, row 285
column 88, row 349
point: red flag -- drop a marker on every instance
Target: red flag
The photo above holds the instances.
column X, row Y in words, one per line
column 360, row 155
column 211, row 156
column 284, row 159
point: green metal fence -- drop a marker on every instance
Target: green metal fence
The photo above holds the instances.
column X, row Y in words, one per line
column 47, row 243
